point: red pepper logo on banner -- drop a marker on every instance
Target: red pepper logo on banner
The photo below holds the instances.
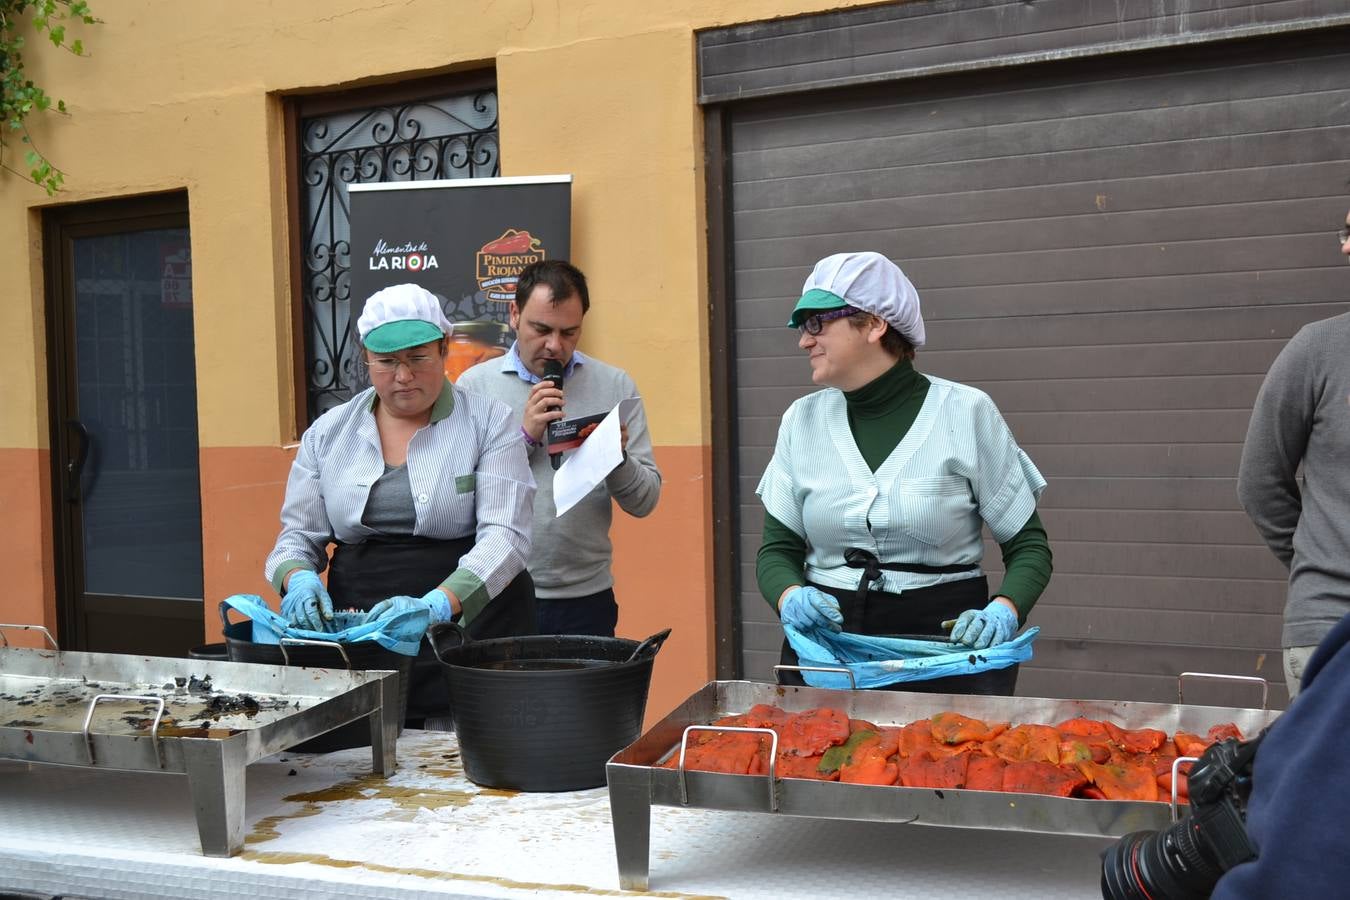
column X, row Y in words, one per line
column 500, row 263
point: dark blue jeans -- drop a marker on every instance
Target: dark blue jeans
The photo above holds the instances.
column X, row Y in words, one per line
column 595, row 614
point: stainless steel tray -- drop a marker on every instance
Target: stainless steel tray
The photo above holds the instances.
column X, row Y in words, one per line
column 204, row 719
column 635, row 784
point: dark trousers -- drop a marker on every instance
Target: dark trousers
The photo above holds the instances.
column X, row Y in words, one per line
column 918, row 613
column 362, row 575
column 594, row 614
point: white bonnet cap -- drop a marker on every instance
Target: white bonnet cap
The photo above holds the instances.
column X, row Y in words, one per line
column 868, row 281
column 401, row 316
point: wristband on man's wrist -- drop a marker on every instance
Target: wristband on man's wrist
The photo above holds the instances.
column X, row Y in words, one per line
column 529, row 440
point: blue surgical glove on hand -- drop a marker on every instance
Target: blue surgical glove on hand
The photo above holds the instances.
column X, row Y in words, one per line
column 306, row 603
column 434, row 601
column 988, row 627
column 807, row 608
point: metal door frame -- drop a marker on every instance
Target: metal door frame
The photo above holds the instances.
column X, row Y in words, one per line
column 61, row 226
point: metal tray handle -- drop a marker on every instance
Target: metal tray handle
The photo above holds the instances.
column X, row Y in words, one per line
column 289, row 640
column 1247, row 679
column 154, row 726
column 1176, row 764
column 853, row 682
column 773, row 758
column 4, row 642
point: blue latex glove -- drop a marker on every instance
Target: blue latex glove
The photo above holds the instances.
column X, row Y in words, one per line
column 981, row 628
column 434, row 601
column 306, row 603
column 807, row 608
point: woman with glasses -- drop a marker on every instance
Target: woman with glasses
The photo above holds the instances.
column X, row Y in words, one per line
column 880, row 485
column 420, row 489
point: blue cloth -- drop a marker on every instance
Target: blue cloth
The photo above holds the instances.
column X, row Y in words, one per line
column 1298, row 814
column 879, row 661
column 401, row 632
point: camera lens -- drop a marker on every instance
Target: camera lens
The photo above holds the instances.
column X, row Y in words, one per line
column 1152, row 865
column 1120, row 868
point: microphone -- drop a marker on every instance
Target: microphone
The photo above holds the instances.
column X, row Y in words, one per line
column 553, row 371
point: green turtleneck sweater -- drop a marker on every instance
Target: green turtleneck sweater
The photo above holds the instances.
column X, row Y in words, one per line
column 880, row 414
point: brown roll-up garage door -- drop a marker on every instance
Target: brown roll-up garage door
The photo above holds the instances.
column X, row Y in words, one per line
column 1115, row 250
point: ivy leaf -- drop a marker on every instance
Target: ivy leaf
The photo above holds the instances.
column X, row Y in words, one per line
column 19, row 96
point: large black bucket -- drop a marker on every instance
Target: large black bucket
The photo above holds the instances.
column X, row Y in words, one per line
column 215, row 652
column 544, row 713
column 360, row 655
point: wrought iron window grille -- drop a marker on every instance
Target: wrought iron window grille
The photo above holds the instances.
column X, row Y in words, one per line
column 452, row 137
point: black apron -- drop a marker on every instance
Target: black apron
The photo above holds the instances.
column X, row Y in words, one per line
column 361, row 575
column 920, row 613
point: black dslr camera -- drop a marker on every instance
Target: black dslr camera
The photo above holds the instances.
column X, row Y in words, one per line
column 1185, row 860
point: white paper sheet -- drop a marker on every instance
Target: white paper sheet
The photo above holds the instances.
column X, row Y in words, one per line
column 587, row 466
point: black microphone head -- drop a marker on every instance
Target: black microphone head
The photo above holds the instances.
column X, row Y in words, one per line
column 553, row 371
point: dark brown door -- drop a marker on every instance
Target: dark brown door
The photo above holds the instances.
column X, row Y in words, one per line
column 123, row 402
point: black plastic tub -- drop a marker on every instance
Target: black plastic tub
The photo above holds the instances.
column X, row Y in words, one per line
column 360, row 655
column 209, row 651
column 544, row 713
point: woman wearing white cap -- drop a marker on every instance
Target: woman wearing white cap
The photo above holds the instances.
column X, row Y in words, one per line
column 879, row 487
column 420, row 487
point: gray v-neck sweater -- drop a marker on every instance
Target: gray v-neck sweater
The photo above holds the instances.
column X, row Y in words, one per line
column 1302, row 416
column 571, row 554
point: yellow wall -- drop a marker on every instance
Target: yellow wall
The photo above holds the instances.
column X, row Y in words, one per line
column 190, row 100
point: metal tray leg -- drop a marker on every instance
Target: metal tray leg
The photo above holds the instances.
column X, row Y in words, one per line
column 383, row 742
column 384, row 728
column 215, row 771
column 630, row 809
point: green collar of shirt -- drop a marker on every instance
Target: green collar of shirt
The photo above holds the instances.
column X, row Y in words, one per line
column 441, row 409
column 881, row 412
column 880, row 396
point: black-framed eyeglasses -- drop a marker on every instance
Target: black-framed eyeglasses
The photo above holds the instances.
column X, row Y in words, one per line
column 388, row 365
column 1343, row 235
column 814, row 325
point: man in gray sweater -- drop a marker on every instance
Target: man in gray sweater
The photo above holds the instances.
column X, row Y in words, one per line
column 1302, row 416
column 571, row 555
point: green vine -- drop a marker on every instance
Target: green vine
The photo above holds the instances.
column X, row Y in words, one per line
column 19, row 97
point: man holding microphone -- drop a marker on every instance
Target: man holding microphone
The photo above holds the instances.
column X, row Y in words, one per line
column 544, row 378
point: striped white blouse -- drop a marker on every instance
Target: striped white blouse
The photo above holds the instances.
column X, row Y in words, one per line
column 957, row 469
column 468, row 473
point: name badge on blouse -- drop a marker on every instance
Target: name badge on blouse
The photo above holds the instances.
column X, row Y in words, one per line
column 464, row 484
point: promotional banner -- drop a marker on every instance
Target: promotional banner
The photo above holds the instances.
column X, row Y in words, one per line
column 465, row 240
